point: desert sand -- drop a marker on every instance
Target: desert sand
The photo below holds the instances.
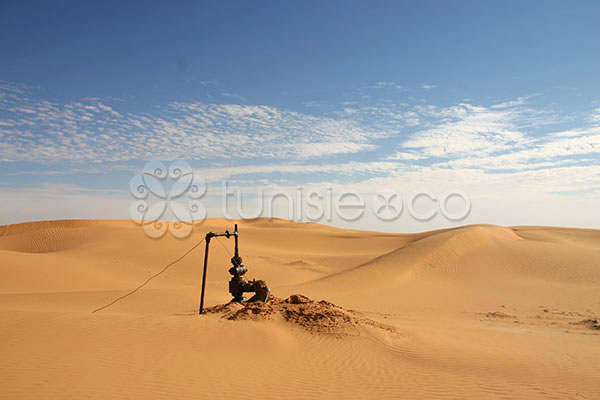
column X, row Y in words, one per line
column 474, row 312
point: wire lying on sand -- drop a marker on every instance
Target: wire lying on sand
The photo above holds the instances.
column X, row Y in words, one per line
column 149, row 279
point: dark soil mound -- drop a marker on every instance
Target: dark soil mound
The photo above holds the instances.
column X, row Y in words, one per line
column 317, row 317
column 588, row 323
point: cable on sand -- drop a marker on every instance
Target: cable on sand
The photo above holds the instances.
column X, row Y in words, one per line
column 149, row 279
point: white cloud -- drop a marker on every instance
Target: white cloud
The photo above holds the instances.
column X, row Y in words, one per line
column 234, row 96
column 489, row 137
column 384, row 84
column 408, row 156
column 352, row 168
column 468, row 129
column 44, row 131
column 502, row 154
column 553, row 149
column 595, row 117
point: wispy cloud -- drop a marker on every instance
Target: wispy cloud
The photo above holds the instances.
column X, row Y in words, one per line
column 467, row 130
column 595, row 117
column 408, row 156
column 494, row 137
column 384, row 84
column 353, row 168
column 553, row 150
column 508, row 148
column 234, row 96
column 499, row 137
column 40, row 130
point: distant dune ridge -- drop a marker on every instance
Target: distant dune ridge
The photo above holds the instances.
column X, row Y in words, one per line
column 479, row 311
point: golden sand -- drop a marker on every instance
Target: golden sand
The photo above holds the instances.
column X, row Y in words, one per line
column 474, row 312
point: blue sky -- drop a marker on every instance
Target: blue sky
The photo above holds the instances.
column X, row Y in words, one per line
column 499, row 100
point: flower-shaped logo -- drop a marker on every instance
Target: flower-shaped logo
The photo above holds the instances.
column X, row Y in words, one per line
column 181, row 198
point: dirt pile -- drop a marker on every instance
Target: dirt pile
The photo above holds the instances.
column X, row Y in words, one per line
column 588, row 323
column 317, row 317
column 499, row 314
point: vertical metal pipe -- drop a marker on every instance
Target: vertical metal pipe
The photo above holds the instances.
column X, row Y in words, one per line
column 208, row 237
column 237, row 253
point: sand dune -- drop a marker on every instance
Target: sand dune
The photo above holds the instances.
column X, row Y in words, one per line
column 473, row 312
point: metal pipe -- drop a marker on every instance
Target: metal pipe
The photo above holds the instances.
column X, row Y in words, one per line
column 237, row 253
column 237, row 259
column 209, row 235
